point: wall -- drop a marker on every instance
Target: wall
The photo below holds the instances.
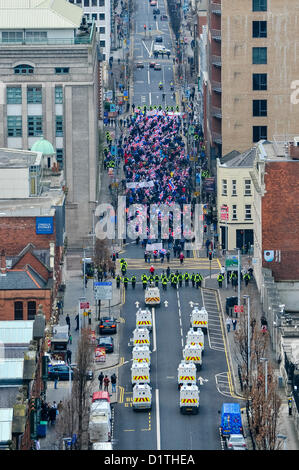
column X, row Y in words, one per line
column 282, row 67
column 7, row 299
column 14, row 183
column 280, row 218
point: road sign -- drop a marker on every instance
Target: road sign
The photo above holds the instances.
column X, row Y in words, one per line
column 103, row 290
column 238, row 308
column 224, row 212
column 231, row 261
column 84, row 305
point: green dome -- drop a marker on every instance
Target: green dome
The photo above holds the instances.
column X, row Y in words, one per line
column 44, row 146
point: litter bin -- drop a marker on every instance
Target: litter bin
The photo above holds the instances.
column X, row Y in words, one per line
column 42, row 429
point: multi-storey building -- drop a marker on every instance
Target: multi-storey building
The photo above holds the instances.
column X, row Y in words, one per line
column 253, row 68
column 49, row 77
column 99, row 11
column 235, row 192
column 275, row 175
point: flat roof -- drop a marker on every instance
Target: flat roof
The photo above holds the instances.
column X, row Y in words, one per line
column 12, row 332
column 12, row 158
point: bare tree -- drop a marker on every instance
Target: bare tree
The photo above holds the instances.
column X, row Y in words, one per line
column 102, row 257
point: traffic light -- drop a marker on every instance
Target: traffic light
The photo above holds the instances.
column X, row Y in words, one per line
column 144, row 27
column 210, row 255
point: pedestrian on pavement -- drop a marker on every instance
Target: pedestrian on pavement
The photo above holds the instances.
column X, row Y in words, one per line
column 182, row 257
column 70, row 339
column 113, row 382
column 168, row 271
column 228, row 323
column 68, row 356
column 290, row 404
column 52, row 415
column 168, row 256
column 77, row 322
column 234, row 322
column 220, row 279
column 207, row 246
column 100, row 379
column 56, row 381
column 68, row 321
column 106, row 383
column 60, row 407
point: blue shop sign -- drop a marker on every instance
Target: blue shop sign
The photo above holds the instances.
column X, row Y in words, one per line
column 44, row 225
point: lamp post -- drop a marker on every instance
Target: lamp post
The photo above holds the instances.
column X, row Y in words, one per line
column 265, row 360
column 248, row 336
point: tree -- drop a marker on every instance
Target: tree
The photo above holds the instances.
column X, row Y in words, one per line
column 75, row 414
column 102, row 258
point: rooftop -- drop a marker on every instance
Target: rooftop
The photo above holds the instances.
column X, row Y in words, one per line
column 12, row 158
column 39, row 14
column 22, row 279
column 20, row 331
column 236, row 159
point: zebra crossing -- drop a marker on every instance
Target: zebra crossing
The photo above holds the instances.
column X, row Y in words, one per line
column 215, row 333
column 189, row 263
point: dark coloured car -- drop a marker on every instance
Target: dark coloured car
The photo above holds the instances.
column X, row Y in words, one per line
column 164, row 18
column 152, row 65
column 139, row 65
column 107, row 343
column 156, row 11
column 107, row 325
column 159, row 39
column 63, row 373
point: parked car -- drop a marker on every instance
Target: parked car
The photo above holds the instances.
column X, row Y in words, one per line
column 63, row 372
column 159, row 39
column 156, row 11
column 153, row 3
column 89, row 373
column 107, row 343
column 152, row 65
column 236, row 442
column 107, row 325
column 157, row 67
column 164, row 18
column 139, row 65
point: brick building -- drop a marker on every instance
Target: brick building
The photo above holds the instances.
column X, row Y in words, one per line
column 23, row 289
column 275, row 177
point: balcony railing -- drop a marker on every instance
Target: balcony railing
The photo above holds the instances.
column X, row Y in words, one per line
column 216, row 8
column 216, row 112
column 216, row 86
column 216, row 60
column 216, row 34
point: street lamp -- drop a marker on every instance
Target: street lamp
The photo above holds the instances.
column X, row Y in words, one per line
column 265, row 360
column 248, row 334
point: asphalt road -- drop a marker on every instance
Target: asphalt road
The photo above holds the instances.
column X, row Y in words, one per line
column 164, row 427
column 146, row 80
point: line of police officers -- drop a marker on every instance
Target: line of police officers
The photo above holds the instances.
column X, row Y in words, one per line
column 175, row 279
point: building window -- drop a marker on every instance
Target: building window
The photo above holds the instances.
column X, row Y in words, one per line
column 224, row 187
column 14, row 95
column 12, row 36
column 58, row 95
column 18, row 310
column 36, row 36
column 59, row 158
column 34, row 94
column 259, row 55
column 102, row 43
column 62, row 70
column 86, row 3
column 248, row 212
column 94, row 16
column 31, row 308
column 102, row 30
column 14, row 126
column 59, row 126
column 234, row 187
column 35, row 126
column 259, row 29
column 87, row 16
column 234, row 213
column 259, row 81
column 259, row 108
column 247, row 191
column 24, row 69
column 94, row 3
column 102, row 16
column 101, row 3
column 259, row 5
column 259, row 133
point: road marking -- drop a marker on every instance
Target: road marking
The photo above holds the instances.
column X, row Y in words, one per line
column 154, row 330
column 158, row 420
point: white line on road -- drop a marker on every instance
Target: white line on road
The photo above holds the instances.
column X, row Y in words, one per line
column 154, row 330
column 158, row 420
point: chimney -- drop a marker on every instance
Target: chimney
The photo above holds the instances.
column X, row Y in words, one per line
column 3, row 263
